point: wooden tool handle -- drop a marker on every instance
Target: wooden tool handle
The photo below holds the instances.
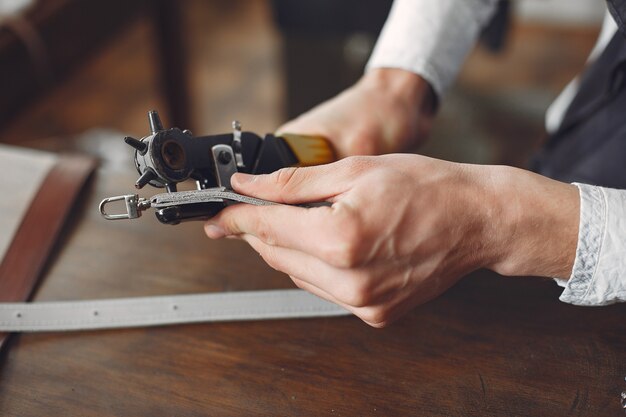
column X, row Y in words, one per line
column 310, row 150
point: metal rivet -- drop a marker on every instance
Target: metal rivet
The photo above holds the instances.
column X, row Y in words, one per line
column 18, row 315
column 95, row 312
column 174, row 307
column 224, row 157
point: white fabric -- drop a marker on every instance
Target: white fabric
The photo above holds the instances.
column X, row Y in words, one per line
column 153, row 311
column 599, row 273
column 431, row 37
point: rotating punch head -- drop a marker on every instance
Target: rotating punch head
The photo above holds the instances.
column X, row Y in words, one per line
column 161, row 157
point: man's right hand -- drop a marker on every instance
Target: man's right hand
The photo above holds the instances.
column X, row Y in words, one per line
column 388, row 110
column 403, row 228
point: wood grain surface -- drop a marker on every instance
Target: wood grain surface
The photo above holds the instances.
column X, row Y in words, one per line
column 491, row 346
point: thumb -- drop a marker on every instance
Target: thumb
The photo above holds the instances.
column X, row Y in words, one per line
column 294, row 185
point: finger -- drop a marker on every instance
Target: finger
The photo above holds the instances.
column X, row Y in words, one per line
column 306, row 267
column 369, row 315
column 323, row 232
column 386, row 313
column 306, row 184
column 351, row 287
column 300, row 283
column 377, row 316
column 290, row 185
column 320, row 279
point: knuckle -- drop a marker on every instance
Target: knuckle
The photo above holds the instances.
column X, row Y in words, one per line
column 263, row 231
column 346, row 245
column 351, row 161
column 270, row 258
column 342, row 254
column 356, row 163
column 379, row 325
column 358, row 297
column 229, row 223
column 376, row 317
column 349, row 255
column 359, row 292
column 286, row 178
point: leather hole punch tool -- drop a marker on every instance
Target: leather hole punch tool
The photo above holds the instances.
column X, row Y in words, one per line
column 167, row 157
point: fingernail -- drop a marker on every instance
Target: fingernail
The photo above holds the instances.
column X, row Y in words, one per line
column 242, row 179
column 214, row 231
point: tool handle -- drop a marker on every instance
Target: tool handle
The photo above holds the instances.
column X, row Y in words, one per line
column 309, row 150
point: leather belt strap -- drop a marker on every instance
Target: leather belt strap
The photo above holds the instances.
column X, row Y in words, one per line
column 204, row 196
column 34, row 240
column 154, row 311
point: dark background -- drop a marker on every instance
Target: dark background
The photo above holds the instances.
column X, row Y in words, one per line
column 203, row 63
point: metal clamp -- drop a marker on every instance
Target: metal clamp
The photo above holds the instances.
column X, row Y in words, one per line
column 134, row 206
column 237, row 146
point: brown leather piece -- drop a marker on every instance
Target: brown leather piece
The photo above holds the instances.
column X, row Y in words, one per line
column 40, row 228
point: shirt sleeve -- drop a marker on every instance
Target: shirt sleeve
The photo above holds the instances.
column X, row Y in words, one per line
column 599, row 273
column 430, row 37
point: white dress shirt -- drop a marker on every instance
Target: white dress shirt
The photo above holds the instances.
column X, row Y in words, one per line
column 432, row 38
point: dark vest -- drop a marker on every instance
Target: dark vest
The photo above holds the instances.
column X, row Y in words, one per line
column 590, row 145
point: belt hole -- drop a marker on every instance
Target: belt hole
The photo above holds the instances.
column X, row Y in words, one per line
column 95, row 312
column 174, row 307
column 18, row 315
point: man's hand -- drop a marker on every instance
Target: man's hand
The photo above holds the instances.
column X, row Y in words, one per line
column 403, row 228
column 388, row 110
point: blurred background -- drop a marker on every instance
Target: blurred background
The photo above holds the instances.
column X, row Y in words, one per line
column 76, row 69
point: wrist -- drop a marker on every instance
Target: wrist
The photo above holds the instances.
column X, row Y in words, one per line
column 403, row 85
column 534, row 224
column 407, row 105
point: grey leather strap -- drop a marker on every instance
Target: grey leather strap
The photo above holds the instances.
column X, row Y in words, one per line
column 204, row 196
column 163, row 310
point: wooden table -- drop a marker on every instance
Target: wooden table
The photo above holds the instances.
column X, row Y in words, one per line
column 491, row 346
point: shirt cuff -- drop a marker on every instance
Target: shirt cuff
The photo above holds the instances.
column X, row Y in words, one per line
column 599, row 272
